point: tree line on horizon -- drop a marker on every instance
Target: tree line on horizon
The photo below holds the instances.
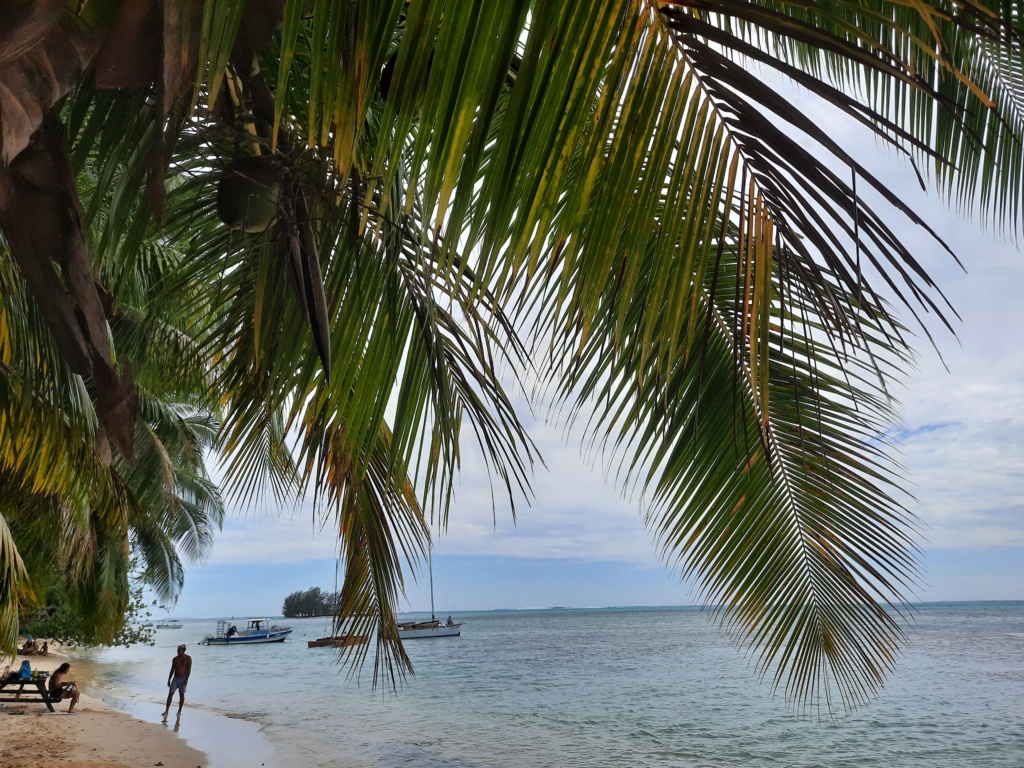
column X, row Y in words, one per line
column 311, row 602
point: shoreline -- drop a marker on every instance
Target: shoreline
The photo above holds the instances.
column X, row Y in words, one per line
column 109, row 732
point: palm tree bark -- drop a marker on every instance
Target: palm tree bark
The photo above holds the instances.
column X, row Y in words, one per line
column 41, row 217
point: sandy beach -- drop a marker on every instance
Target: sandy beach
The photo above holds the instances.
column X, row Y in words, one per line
column 95, row 736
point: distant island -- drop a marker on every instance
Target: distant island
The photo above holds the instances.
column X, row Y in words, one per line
column 311, row 602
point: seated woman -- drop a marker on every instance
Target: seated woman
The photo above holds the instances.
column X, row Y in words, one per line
column 28, row 648
column 63, row 689
column 44, row 650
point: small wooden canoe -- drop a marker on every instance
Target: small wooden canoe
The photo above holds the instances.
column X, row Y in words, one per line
column 336, row 641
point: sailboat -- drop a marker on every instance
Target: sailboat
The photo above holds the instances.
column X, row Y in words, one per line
column 337, row 639
column 413, row 630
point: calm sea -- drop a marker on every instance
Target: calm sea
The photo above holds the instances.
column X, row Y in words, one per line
column 616, row 687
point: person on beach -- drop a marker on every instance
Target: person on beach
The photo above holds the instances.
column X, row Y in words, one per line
column 177, row 679
column 64, row 689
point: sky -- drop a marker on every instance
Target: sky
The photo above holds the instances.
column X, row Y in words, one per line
column 580, row 543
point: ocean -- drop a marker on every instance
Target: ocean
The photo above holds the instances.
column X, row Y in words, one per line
column 645, row 687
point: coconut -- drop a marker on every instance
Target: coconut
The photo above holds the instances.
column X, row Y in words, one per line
column 249, row 192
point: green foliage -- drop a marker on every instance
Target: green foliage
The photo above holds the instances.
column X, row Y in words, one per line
column 73, row 514
column 311, row 602
column 61, row 621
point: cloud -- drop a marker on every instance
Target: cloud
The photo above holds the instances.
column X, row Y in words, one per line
column 291, row 537
column 969, row 475
column 577, row 510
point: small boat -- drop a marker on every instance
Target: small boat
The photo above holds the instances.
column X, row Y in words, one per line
column 414, row 630
column 169, row 624
column 255, row 631
column 336, row 641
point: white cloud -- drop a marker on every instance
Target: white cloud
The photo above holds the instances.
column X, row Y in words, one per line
column 969, row 472
column 576, row 511
column 267, row 537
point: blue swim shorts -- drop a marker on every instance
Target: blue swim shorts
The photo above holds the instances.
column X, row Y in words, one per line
column 178, row 683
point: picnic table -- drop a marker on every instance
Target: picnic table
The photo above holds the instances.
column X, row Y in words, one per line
column 19, row 689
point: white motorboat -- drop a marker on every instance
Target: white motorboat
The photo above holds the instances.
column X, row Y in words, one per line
column 253, row 631
column 169, row 624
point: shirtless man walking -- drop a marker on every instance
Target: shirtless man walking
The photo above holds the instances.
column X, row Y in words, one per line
column 177, row 679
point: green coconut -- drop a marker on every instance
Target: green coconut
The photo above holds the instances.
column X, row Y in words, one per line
column 248, row 193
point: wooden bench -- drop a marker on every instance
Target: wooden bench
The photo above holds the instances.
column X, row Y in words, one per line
column 25, row 690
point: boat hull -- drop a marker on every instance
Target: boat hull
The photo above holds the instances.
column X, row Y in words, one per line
column 339, row 641
column 241, row 639
column 253, row 632
column 419, row 633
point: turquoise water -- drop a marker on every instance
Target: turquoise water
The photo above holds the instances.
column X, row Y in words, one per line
column 615, row 687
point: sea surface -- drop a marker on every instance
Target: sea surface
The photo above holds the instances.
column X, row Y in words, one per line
column 647, row 687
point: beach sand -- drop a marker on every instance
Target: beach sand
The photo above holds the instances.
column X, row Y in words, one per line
column 94, row 737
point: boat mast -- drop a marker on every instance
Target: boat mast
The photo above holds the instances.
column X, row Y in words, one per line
column 430, row 568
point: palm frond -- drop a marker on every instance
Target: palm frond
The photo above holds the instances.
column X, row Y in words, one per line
column 13, row 588
column 380, row 525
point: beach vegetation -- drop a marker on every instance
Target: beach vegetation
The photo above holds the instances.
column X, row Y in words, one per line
column 59, row 619
column 631, row 215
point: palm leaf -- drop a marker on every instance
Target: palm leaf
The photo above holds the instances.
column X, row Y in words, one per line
column 13, row 580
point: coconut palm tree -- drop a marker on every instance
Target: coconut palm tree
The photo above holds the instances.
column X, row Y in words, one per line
column 71, row 512
column 386, row 205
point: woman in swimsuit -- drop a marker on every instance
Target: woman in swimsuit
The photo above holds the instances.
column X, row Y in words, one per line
column 64, row 689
